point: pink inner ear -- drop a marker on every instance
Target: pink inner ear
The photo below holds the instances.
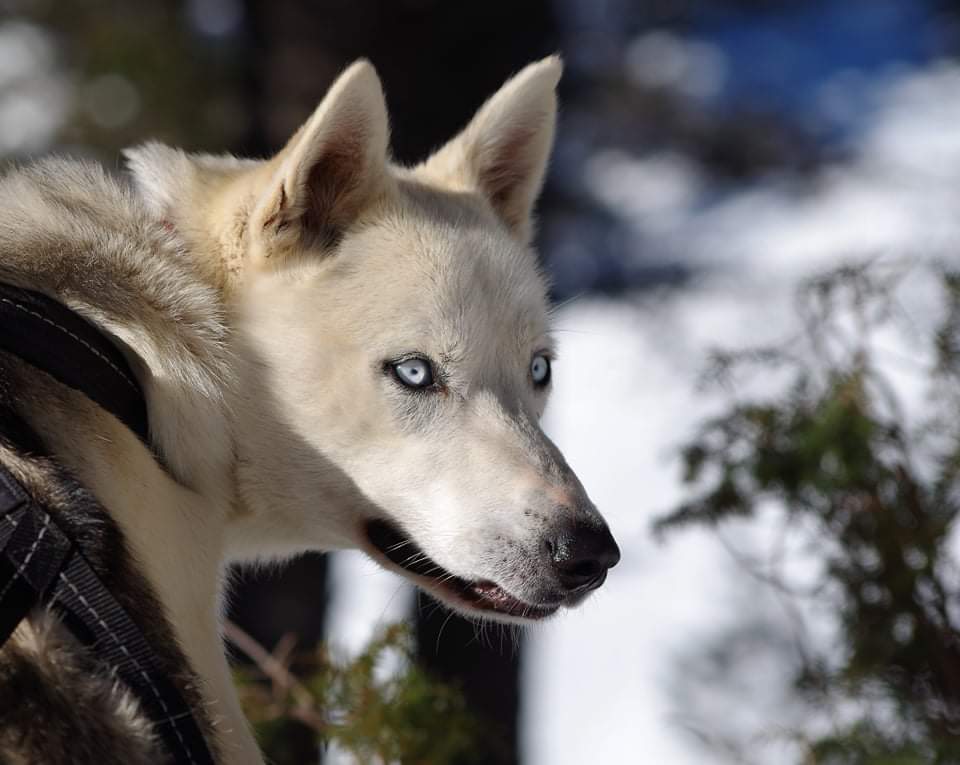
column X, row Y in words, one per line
column 332, row 189
column 326, row 192
column 505, row 170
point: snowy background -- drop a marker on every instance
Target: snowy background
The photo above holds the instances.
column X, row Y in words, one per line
column 706, row 163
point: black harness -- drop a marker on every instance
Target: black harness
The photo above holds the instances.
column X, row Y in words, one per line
column 39, row 562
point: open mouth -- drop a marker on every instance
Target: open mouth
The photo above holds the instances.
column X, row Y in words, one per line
column 480, row 595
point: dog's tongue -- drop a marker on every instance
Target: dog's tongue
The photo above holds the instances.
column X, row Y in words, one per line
column 495, row 594
column 490, row 590
column 500, row 600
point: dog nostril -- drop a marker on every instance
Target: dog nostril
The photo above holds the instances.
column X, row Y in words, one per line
column 584, row 575
column 582, row 555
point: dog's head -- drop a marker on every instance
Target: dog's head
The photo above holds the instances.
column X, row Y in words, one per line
column 395, row 330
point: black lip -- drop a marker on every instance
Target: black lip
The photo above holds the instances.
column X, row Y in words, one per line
column 400, row 549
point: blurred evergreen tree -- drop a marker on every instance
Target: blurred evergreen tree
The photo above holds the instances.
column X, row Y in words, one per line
column 836, row 451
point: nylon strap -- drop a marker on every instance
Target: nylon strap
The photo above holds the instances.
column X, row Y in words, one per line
column 15, row 598
column 39, row 564
column 122, row 646
column 51, row 337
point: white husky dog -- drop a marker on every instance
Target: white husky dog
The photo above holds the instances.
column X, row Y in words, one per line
column 336, row 352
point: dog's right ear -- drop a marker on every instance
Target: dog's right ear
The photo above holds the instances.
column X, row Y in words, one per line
column 331, row 168
column 503, row 151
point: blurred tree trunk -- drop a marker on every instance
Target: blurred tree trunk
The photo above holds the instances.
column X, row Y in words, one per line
column 438, row 62
column 485, row 666
column 288, row 602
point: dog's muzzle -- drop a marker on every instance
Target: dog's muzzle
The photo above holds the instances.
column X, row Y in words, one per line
column 577, row 555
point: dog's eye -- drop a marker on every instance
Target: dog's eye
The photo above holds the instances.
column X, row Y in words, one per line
column 540, row 370
column 414, row 373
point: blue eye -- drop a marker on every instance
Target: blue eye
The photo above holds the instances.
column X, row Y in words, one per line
column 414, row 373
column 540, row 370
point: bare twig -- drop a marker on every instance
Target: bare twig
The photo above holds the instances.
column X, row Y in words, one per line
column 305, row 706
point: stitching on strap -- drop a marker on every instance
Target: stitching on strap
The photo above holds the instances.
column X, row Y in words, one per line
column 26, row 561
column 80, row 340
column 169, row 718
column 12, row 487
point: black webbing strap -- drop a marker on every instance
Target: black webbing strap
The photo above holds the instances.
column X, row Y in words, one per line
column 51, row 337
column 40, row 565
column 122, row 646
column 16, row 598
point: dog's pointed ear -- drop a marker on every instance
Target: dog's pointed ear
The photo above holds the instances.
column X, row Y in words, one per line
column 330, row 169
column 503, row 151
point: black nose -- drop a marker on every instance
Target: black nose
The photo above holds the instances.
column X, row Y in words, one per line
column 582, row 554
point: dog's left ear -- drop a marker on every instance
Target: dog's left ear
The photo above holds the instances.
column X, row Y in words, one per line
column 329, row 170
column 503, row 151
